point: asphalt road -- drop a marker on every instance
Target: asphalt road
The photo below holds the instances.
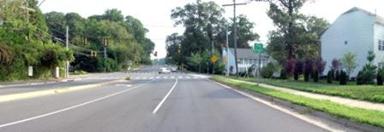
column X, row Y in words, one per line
column 176, row 102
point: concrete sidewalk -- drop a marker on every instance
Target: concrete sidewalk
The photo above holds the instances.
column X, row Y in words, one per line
column 340, row 100
column 21, row 83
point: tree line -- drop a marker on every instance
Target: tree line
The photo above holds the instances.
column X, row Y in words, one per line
column 296, row 38
column 204, row 36
column 30, row 38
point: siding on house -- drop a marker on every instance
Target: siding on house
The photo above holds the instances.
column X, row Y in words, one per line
column 379, row 43
column 245, row 58
column 352, row 32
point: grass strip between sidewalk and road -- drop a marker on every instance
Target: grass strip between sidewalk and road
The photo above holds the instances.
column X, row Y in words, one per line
column 372, row 117
column 371, row 93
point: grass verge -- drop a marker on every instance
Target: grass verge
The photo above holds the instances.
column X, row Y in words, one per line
column 372, row 117
column 371, row 93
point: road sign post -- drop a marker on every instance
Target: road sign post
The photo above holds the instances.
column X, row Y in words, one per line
column 258, row 49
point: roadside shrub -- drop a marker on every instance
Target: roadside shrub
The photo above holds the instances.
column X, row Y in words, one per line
column 283, row 74
column 308, row 69
column 343, row 78
column 368, row 73
column 289, row 67
column 242, row 74
column 359, row 78
column 379, row 79
column 336, row 64
column 315, row 76
column 298, row 70
column 337, row 75
column 379, row 76
column 330, row 76
column 320, row 66
column 267, row 71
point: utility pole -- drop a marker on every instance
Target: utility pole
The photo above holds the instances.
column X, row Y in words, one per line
column 67, row 47
column 227, row 45
column 234, row 4
column 105, row 48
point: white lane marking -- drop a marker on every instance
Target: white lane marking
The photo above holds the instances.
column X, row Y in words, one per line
column 158, row 77
column 165, row 98
column 67, row 108
column 172, row 77
column 187, row 77
column 150, row 78
column 279, row 108
column 180, row 77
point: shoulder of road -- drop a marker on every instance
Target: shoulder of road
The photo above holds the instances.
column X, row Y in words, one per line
column 358, row 114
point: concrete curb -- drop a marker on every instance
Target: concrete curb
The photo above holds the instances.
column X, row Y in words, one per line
column 27, row 95
column 39, row 83
column 310, row 111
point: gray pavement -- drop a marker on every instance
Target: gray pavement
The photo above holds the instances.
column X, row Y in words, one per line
column 195, row 105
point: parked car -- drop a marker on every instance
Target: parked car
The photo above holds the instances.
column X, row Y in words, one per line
column 164, row 70
column 173, row 69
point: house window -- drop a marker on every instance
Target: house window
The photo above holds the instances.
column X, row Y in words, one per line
column 381, row 45
column 381, row 64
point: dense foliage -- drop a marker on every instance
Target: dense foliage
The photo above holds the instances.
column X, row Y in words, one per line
column 24, row 42
column 368, row 74
column 267, row 71
column 123, row 37
column 204, row 34
column 30, row 38
column 297, row 36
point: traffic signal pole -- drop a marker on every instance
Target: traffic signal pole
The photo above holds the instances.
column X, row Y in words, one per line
column 67, row 47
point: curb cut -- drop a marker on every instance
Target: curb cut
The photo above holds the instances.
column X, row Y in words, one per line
column 27, row 95
column 309, row 111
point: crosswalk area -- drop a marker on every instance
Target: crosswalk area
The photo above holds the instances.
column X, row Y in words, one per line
column 168, row 77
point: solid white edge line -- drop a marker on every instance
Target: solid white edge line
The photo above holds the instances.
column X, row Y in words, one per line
column 279, row 108
column 67, row 108
column 165, row 98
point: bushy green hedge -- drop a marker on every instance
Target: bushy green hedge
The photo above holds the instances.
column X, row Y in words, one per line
column 267, row 71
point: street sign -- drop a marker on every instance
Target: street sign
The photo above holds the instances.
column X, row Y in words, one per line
column 30, row 71
column 214, row 59
column 258, row 48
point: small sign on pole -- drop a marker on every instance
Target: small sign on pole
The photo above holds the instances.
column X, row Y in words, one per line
column 30, row 71
column 214, row 59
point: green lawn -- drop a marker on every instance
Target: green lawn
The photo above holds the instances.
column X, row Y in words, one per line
column 370, row 93
column 372, row 117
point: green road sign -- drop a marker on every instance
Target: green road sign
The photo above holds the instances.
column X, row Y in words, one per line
column 258, row 48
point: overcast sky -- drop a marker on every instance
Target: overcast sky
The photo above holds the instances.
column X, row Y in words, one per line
column 155, row 14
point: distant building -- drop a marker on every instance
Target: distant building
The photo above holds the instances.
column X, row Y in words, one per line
column 357, row 31
column 245, row 58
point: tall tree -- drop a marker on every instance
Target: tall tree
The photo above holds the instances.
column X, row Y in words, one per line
column 173, row 46
column 245, row 32
column 297, row 35
column 202, row 22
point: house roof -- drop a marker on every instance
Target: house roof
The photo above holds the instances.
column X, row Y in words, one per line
column 379, row 19
column 245, row 53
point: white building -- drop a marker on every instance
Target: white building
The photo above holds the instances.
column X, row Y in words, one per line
column 357, row 31
column 245, row 59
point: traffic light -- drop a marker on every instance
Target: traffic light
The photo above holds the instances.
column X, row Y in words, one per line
column 155, row 54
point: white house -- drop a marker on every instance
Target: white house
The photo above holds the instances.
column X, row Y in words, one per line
column 357, row 31
column 245, row 59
